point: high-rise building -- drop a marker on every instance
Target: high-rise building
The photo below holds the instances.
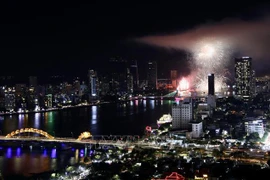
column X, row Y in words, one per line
column 262, row 84
column 197, row 129
column 10, row 98
column 104, row 85
column 118, row 74
column 174, row 78
column 244, row 77
column 76, row 86
column 135, row 73
column 255, row 126
column 130, row 85
column 20, row 89
column 48, row 101
column 211, row 84
column 152, row 75
column 93, row 84
column 182, row 114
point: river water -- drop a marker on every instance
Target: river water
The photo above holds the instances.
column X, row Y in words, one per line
column 129, row 118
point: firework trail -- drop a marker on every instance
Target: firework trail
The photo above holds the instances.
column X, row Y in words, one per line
column 209, row 56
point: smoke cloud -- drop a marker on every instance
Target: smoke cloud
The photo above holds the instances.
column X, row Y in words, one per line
column 241, row 38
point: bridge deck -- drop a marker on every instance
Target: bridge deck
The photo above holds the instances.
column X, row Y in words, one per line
column 73, row 140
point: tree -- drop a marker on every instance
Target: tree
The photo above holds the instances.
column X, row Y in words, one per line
column 239, row 154
column 253, row 137
column 217, row 153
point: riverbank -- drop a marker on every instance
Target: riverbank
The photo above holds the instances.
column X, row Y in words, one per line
column 86, row 105
column 52, row 109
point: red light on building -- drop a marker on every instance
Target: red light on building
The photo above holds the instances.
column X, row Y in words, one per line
column 173, row 176
column 148, row 129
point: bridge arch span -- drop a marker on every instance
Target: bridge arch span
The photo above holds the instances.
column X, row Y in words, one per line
column 84, row 135
column 29, row 130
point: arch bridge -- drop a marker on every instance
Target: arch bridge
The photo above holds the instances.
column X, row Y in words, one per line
column 82, row 136
column 29, row 130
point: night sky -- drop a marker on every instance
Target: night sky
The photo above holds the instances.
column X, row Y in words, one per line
column 63, row 37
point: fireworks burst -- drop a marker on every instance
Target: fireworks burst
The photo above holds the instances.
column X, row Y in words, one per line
column 183, row 85
column 209, row 57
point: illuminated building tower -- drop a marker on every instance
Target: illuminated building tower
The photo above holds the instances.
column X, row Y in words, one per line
column 135, row 74
column 253, row 84
column 244, row 77
column 174, row 78
column 182, row 114
column 129, row 82
column 10, row 98
column 118, row 74
column 152, row 75
column 48, row 101
column 20, row 94
column 211, row 84
column 104, row 85
column 93, row 84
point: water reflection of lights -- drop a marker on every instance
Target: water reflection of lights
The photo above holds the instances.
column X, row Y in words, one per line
column 85, row 151
column 9, row 153
column 21, row 119
column 77, row 155
column 81, row 153
column 37, row 119
column 2, row 160
column 131, row 103
column 45, row 153
column 136, row 102
column 18, row 164
column 144, row 103
column 152, row 104
column 18, row 152
column 53, row 154
column 54, row 163
column 91, row 152
column 94, row 115
column 72, row 160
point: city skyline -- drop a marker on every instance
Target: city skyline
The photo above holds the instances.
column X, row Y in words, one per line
column 126, row 90
column 73, row 37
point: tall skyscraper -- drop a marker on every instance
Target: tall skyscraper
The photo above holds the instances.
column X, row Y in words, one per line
column 211, row 84
column 174, row 78
column 118, row 74
column 244, row 77
column 93, row 84
column 135, row 73
column 152, row 75
column 130, row 85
